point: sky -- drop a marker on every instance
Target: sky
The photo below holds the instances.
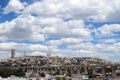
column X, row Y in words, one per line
column 66, row 28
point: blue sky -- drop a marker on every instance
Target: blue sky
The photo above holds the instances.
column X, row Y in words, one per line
column 70, row 28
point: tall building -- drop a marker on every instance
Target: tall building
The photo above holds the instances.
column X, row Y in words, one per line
column 13, row 53
column 48, row 55
column 25, row 54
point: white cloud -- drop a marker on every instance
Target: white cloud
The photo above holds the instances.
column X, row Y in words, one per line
column 5, row 48
column 108, row 30
column 71, row 40
column 101, row 10
column 50, row 21
column 4, row 55
column 37, row 53
column 108, row 41
column 72, row 28
column 27, row 27
column 114, row 14
column 13, row 6
column 99, row 50
column 22, row 28
column 82, row 49
column 38, row 47
column 65, row 41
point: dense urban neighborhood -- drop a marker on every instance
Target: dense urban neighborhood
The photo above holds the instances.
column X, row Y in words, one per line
column 74, row 68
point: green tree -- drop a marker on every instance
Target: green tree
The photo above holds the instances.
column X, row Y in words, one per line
column 9, row 72
column 42, row 74
column 58, row 78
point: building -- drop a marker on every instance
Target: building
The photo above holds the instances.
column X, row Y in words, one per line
column 13, row 53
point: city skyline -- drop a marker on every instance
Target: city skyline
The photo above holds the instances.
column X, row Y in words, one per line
column 68, row 28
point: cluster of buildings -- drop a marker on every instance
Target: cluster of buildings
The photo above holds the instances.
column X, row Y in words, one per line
column 72, row 67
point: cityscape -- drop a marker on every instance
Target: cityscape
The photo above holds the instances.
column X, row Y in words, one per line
column 59, row 68
column 59, row 39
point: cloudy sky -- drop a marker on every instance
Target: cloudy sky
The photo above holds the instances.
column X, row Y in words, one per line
column 82, row 28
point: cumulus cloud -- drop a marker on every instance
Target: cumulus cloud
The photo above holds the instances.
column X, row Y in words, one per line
column 36, row 28
column 73, row 28
column 108, row 41
column 4, row 55
column 37, row 53
column 61, row 25
column 114, row 14
column 98, row 50
column 72, row 33
column 21, row 28
column 108, row 30
column 98, row 10
column 6, row 47
column 13, row 6
column 82, row 49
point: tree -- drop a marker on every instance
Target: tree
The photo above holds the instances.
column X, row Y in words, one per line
column 8, row 72
column 58, row 78
column 19, row 73
column 42, row 74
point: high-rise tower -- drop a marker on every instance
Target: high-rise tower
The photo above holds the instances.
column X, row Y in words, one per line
column 25, row 54
column 13, row 53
